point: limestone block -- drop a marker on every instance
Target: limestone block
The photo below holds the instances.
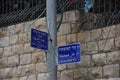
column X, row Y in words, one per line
column 28, row 48
column 117, row 43
column 7, row 51
column 30, row 69
column 13, row 60
column 71, row 66
column 92, row 47
column 61, row 67
column 41, row 21
column 3, row 32
column 113, row 57
column 1, row 52
column 21, row 71
column 95, row 73
column 23, row 78
column 1, row 73
column 19, row 28
column 71, row 38
column 106, row 45
column 25, row 59
column 42, row 76
column 96, row 34
column 114, row 79
column 111, row 71
column 72, row 15
column 65, row 28
column 61, row 40
column 41, row 67
column 8, row 72
column 31, row 77
column 38, row 57
column 4, row 41
column 99, row 59
column 109, row 32
column 83, row 48
column 14, row 39
column 67, row 75
column 84, row 36
column 117, row 31
column 80, row 73
column 3, row 62
column 22, row 38
column 85, row 61
column 17, row 49
column 11, row 30
column 75, row 27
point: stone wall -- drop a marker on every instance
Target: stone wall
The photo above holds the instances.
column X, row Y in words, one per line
column 100, row 52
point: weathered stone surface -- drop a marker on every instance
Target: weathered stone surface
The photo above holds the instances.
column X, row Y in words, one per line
column 11, row 30
column 4, row 41
column 41, row 67
column 114, row 79
column 84, row 36
column 72, row 38
column 14, row 39
column 3, row 62
column 42, row 76
column 25, row 59
column 99, row 59
column 65, row 28
column 80, row 74
column 32, row 77
column 21, row 71
column 28, row 48
column 75, row 27
column 7, row 51
column 3, row 32
column 109, row 32
column 41, row 21
column 8, row 72
column 67, row 75
column 106, row 45
column 1, row 52
column 19, row 28
column 117, row 31
column 96, row 34
column 30, row 69
column 83, row 48
column 72, row 16
column 117, row 43
column 1, row 73
column 38, row 57
column 110, row 71
column 61, row 40
column 13, row 61
column 92, row 47
column 61, row 67
column 85, row 61
column 95, row 73
column 17, row 49
column 113, row 57
column 23, row 78
column 71, row 66
column 22, row 38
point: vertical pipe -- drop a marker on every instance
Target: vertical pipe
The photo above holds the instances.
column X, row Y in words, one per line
column 51, row 23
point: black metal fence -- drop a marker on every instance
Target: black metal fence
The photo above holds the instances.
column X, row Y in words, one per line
column 17, row 11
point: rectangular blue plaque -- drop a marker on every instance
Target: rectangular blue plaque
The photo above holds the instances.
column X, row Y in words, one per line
column 39, row 39
column 69, row 53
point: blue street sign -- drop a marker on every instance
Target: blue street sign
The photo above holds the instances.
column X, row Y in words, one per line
column 39, row 39
column 69, row 53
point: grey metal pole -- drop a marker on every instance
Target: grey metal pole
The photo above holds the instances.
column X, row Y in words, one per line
column 51, row 23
